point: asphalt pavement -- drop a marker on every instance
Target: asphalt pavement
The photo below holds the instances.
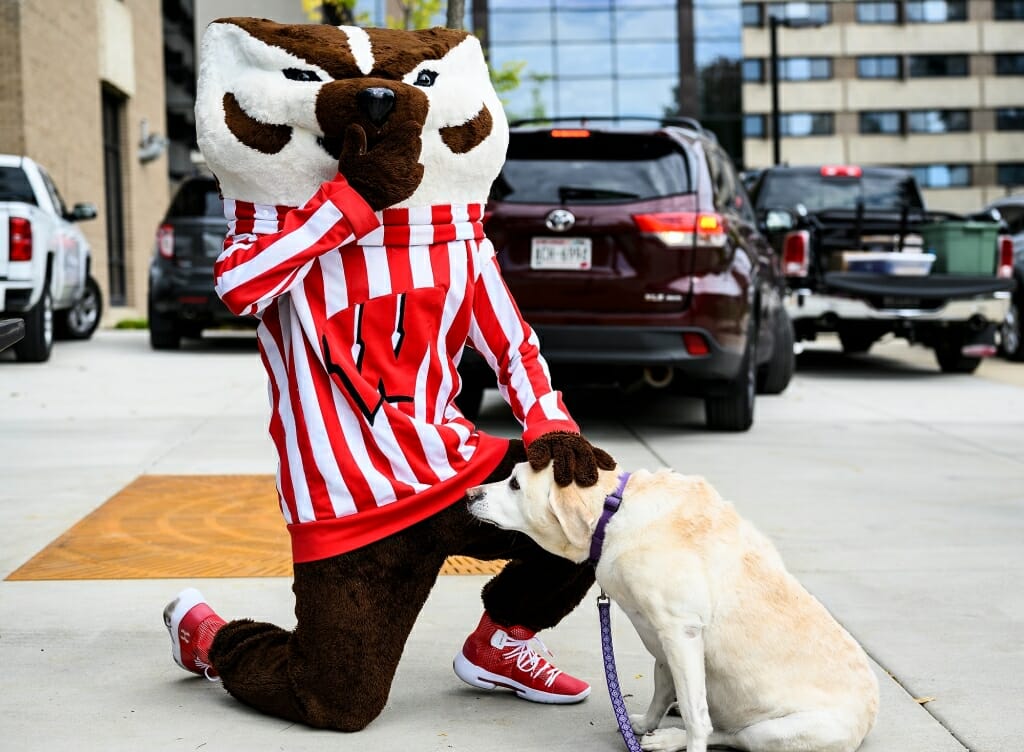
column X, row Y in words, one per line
column 895, row 494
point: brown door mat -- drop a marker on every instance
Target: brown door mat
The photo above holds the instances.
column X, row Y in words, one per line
column 182, row 526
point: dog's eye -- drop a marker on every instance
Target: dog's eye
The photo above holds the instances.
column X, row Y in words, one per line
column 513, row 483
column 426, row 78
column 297, row 74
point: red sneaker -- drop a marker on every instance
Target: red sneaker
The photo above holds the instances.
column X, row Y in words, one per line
column 495, row 656
column 192, row 625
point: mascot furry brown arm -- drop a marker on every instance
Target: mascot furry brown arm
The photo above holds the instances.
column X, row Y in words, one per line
column 354, row 164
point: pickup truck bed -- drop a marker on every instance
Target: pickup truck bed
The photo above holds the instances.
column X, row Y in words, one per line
column 879, row 212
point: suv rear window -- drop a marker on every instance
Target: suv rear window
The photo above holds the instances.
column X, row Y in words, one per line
column 601, row 168
column 196, row 198
column 14, row 186
column 783, row 190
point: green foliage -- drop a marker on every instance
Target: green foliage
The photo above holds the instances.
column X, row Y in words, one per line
column 414, row 14
column 132, row 324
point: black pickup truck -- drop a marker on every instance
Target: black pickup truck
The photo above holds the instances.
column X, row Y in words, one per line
column 863, row 258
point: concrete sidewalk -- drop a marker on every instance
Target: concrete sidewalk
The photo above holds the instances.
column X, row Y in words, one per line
column 895, row 494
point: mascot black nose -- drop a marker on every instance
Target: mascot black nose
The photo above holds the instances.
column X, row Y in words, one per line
column 377, row 103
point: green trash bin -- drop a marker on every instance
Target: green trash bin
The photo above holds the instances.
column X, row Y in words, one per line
column 962, row 247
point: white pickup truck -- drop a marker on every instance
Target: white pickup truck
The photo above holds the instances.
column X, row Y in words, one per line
column 44, row 261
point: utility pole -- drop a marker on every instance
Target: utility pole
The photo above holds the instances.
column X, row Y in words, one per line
column 456, row 12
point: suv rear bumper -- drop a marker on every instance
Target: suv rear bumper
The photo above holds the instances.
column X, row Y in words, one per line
column 604, row 353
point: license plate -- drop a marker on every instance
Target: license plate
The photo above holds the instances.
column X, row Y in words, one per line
column 560, row 253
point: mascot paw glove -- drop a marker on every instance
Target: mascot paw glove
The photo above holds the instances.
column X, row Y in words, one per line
column 389, row 171
column 575, row 459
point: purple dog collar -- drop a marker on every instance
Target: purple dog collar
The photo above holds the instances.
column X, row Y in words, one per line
column 611, row 506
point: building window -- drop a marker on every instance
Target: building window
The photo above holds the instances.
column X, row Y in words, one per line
column 1010, row 10
column 1010, row 173
column 805, row 68
column 798, row 124
column 818, row 12
column 942, row 175
column 927, row 66
column 1010, row 119
column 936, row 11
column 753, row 126
column 752, row 14
column 753, row 70
column 877, row 12
column 1010, row 64
column 938, row 121
column 880, row 122
column 887, row 66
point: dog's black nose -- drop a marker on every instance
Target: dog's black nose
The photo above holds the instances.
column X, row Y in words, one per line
column 377, row 103
column 474, row 494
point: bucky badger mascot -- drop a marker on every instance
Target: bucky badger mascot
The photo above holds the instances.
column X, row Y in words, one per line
column 354, row 164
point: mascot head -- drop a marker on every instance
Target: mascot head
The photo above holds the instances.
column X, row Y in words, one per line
column 276, row 103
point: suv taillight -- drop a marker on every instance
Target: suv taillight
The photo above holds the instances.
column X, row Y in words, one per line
column 682, row 229
column 20, row 234
column 796, row 253
column 841, row 171
column 165, row 241
column 1004, row 268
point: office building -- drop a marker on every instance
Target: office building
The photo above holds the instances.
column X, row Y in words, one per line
column 933, row 85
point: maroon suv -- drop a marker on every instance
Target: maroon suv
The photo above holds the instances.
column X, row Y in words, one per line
column 636, row 257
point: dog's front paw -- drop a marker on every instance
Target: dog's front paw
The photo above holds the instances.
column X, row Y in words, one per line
column 664, row 740
column 639, row 723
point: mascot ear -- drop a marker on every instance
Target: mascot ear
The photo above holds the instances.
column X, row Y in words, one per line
column 573, row 514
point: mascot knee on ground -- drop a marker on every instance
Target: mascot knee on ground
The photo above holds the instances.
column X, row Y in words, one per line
column 353, row 165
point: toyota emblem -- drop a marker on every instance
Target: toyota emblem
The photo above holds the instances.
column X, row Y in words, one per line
column 560, row 220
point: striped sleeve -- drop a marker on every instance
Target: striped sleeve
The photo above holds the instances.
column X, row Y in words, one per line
column 254, row 268
column 510, row 346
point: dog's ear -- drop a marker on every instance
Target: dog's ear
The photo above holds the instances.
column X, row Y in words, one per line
column 573, row 514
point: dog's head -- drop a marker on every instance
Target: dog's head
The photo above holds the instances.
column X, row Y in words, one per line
column 560, row 519
column 274, row 102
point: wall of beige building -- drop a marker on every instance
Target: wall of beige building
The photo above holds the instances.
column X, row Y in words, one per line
column 56, row 57
column 846, row 96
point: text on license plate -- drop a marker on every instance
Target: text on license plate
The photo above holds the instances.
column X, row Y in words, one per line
column 560, row 253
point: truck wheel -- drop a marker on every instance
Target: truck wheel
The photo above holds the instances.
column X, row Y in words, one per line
column 1010, row 345
column 36, row 345
column 470, row 399
column 81, row 320
column 774, row 376
column 855, row 342
column 733, row 410
column 951, row 361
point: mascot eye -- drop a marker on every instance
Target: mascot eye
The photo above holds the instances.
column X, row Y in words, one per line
column 513, row 483
column 296, row 74
column 426, row 78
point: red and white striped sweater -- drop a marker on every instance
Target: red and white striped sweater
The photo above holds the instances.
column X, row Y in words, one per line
column 363, row 320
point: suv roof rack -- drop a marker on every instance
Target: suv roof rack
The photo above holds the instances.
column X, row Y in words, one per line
column 688, row 123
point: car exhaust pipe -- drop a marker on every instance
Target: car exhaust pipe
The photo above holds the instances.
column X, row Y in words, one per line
column 658, row 377
column 976, row 323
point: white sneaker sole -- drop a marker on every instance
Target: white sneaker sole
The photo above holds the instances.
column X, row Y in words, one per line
column 176, row 610
column 483, row 679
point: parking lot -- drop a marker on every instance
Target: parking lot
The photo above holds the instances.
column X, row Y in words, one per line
column 894, row 492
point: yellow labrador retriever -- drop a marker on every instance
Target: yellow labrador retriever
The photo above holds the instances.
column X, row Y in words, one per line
column 755, row 661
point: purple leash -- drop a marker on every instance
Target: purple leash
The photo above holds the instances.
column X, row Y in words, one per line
column 612, row 677
column 611, row 506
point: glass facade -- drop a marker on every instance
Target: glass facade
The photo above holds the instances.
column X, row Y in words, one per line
column 587, row 57
column 650, row 58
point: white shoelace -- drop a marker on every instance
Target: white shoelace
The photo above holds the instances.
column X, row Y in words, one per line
column 529, row 661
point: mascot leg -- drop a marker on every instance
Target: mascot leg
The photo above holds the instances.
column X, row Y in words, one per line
column 534, row 591
column 354, row 613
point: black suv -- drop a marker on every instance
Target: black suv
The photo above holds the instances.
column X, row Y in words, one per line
column 635, row 255
column 182, row 301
